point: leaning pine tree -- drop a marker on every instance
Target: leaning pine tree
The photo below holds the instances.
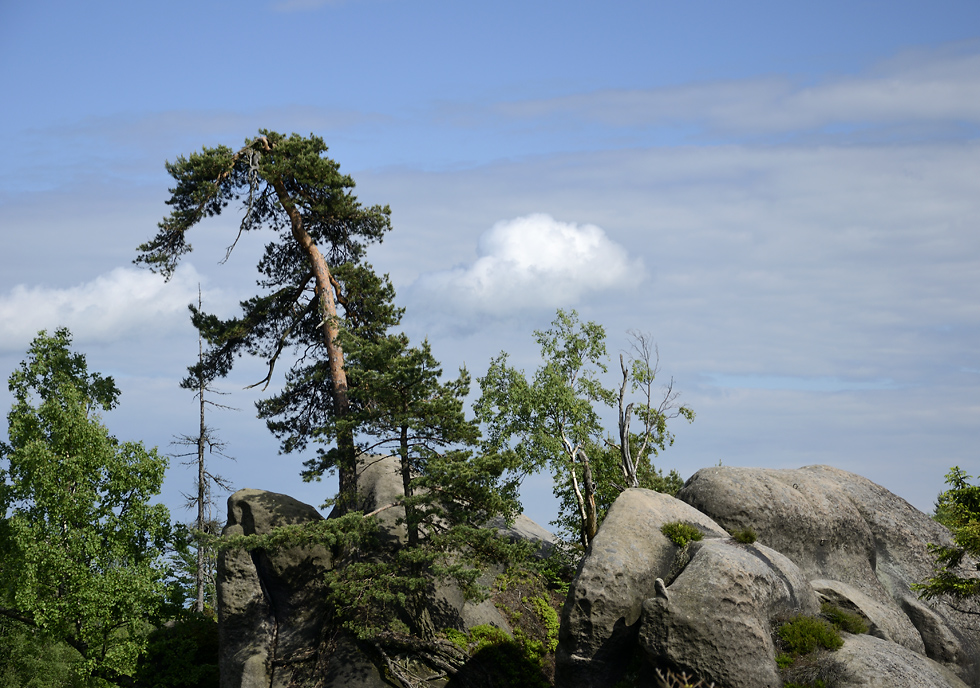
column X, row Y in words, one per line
column 312, row 276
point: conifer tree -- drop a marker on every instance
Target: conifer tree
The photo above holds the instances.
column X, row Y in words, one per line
column 404, row 408
column 312, row 275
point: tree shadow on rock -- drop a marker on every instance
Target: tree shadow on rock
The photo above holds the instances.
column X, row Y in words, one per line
column 500, row 666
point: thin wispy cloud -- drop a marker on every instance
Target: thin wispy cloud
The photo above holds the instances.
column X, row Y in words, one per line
column 529, row 262
column 941, row 87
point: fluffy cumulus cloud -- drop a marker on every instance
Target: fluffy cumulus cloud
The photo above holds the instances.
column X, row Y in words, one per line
column 122, row 304
column 533, row 261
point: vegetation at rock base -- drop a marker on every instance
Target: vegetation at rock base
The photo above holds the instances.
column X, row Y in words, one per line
column 844, row 620
column 181, row 654
column 681, row 533
column 804, row 646
column 81, row 546
column 955, row 579
column 804, row 634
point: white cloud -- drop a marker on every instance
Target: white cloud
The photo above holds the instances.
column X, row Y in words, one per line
column 530, row 262
column 122, row 304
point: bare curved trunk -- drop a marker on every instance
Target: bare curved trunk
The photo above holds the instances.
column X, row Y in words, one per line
column 347, row 467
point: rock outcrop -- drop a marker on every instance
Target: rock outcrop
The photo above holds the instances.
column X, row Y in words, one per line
column 824, row 535
column 639, row 602
column 271, row 608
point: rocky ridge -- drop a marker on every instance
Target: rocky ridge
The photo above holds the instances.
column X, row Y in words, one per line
column 639, row 602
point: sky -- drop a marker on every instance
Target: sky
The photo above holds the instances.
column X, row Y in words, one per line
column 786, row 198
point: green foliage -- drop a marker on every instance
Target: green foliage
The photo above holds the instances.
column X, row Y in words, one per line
column 745, row 535
column 681, row 533
column 844, row 620
column 181, row 654
column 81, row 547
column 954, row 576
column 805, row 634
column 312, row 276
column 28, row 659
column 552, row 421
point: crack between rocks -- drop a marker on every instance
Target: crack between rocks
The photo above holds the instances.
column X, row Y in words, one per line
column 275, row 616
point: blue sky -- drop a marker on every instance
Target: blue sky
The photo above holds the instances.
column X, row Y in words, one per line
column 785, row 198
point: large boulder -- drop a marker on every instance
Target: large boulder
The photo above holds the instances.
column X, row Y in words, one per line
column 874, row 663
column 838, row 526
column 601, row 616
column 716, row 618
column 270, row 607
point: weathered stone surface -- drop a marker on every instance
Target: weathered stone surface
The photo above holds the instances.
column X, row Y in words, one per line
column 601, row 616
column 717, row 617
column 877, row 663
column 269, row 607
column 840, row 526
column 885, row 621
column 379, row 484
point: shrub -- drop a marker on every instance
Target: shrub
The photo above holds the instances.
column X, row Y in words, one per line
column 681, row 533
column 819, row 670
column 746, row 536
column 842, row 619
column 804, row 634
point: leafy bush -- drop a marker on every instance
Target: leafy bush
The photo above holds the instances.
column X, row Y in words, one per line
column 681, row 533
column 843, row 620
column 804, row 634
column 746, row 536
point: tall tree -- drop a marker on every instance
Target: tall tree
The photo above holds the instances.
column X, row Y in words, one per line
column 315, row 264
column 553, row 417
column 639, row 369
column 80, row 544
column 553, row 420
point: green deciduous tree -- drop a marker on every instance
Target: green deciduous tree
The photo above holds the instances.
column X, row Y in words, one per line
column 553, row 420
column 956, row 577
column 81, row 545
column 312, row 275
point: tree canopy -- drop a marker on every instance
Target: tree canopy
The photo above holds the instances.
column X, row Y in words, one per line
column 81, row 546
column 553, row 420
column 313, row 266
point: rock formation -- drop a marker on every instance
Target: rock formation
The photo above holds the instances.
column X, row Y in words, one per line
column 271, row 609
column 823, row 535
column 639, row 602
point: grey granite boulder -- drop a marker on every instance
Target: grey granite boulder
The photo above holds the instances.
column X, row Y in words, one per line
column 601, row 616
column 839, row 526
column 716, row 618
column 875, row 663
column 270, row 611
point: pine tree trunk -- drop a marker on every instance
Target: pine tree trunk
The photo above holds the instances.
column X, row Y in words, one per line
column 347, row 467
